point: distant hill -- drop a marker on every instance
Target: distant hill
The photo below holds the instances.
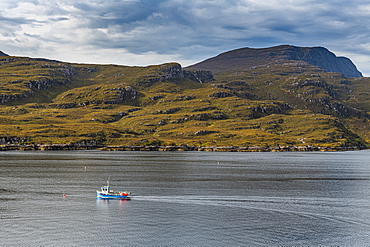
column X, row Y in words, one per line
column 273, row 99
column 3, row 54
column 247, row 58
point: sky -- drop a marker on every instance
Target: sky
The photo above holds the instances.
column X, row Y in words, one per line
column 147, row 32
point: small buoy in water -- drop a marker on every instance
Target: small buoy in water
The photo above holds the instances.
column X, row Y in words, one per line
column 64, row 195
column 85, row 167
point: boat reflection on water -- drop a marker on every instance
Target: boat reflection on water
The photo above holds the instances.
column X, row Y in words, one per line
column 106, row 205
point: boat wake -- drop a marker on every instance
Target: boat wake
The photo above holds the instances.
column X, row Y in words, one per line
column 328, row 209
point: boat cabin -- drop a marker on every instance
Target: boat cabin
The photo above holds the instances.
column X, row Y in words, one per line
column 106, row 189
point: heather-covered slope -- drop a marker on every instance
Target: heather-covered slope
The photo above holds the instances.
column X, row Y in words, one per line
column 269, row 102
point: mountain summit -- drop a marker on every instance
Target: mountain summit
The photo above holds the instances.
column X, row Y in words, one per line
column 248, row 58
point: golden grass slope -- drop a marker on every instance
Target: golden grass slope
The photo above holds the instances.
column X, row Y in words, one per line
column 49, row 102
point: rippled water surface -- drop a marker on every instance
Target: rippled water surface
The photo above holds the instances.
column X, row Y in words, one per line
column 185, row 198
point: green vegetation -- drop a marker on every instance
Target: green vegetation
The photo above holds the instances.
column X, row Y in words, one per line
column 49, row 102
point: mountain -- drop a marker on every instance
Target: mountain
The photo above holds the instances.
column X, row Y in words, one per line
column 281, row 98
column 3, row 54
column 246, row 58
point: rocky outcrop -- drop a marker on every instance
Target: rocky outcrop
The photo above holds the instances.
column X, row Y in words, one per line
column 13, row 97
column 174, row 72
column 219, row 95
column 266, row 109
column 123, row 94
column 6, row 140
column 204, row 132
column 41, row 84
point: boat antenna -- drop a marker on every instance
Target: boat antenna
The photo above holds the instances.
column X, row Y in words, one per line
column 108, row 181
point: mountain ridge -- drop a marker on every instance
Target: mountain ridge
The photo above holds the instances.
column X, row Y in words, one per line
column 246, row 58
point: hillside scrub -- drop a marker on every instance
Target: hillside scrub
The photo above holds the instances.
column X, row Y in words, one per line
column 270, row 105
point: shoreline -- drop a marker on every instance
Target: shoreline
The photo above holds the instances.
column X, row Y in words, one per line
column 54, row 147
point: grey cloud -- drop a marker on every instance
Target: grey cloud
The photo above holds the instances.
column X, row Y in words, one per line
column 56, row 19
column 197, row 29
column 13, row 21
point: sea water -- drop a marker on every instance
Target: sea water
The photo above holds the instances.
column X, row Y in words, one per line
column 185, row 199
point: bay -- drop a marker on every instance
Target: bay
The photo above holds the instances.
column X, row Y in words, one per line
column 185, row 199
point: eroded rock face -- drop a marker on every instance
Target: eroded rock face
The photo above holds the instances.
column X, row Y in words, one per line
column 323, row 58
column 175, row 72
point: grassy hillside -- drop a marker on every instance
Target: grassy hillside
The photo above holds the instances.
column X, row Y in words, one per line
column 49, row 102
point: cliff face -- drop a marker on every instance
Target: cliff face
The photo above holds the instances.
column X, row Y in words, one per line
column 323, row 58
column 249, row 58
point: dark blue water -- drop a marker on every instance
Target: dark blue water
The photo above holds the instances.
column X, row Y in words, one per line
column 185, row 198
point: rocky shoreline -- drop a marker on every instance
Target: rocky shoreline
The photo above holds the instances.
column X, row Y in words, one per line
column 46, row 147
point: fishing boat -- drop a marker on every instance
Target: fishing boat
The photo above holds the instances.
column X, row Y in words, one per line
column 107, row 193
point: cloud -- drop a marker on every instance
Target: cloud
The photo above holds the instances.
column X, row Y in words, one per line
column 135, row 32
